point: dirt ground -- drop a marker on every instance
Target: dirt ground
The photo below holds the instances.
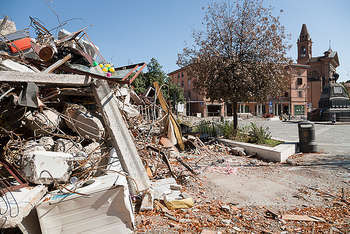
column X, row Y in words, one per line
column 247, row 195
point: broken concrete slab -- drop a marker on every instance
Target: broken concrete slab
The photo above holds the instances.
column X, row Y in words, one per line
column 147, row 201
column 121, row 138
column 25, row 198
column 129, row 110
column 31, row 146
column 162, row 187
column 30, row 224
column 67, row 146
column 47, row 142
column 44, row 167
column 46, row 120
column 84, row 123
column 106, row 209
column 9, row 65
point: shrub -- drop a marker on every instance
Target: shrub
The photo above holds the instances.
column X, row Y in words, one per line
column 226, row 129
column 207, row 128
column 258, row 135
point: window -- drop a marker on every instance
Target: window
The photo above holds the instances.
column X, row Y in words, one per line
column 178, row 75
column 286, row 94
column 303, row 51
column 299, row 81
column 189, row 83
column 182, row 83
column 300, row 93
column 182, row 74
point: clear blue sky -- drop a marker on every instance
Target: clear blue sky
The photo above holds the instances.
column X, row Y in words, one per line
column 134, row 31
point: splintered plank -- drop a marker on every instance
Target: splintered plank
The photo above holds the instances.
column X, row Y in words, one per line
column 121, row 138
column 172, row 118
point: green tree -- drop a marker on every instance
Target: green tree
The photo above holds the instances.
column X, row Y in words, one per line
column 241, row 54
column 154, row 73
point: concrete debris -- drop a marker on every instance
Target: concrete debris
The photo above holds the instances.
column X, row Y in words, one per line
column 42, row 122
column 238, row 151
column 121, row 138
column 161, row 187
column 31, row 146
column 84, row 123
column 7, row 26
column 17, row 205
column 100, row 206
column 67, row 146
column 226, row 221
column 147, row 201
column 9, row 65
column 87, row 46
column 128, row 109
column 43, row 167
column 226, row 208
column 47, row 142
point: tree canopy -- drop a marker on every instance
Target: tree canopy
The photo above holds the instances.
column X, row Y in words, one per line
column 155, row 73
column 241, row 54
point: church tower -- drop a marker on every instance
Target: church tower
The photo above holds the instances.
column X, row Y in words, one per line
column 304, row 46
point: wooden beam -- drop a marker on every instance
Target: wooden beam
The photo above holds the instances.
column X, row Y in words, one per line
column 45, row 78
column 172, row 118
column 121, row 138
column 57, row 64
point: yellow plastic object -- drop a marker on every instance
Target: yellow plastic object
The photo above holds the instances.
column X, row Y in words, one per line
column 111, row 69
column 107, row 65
column 179, row 204
column 105, row 69
column 101, row 65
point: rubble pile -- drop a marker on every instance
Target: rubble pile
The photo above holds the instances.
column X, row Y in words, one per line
column 65, row 144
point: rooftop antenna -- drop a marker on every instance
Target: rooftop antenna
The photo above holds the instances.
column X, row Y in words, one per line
column 330, row 45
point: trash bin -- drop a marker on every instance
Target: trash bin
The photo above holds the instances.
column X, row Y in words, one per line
column 307, row 137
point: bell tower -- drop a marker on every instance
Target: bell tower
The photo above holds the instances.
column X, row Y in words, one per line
column 304, row 46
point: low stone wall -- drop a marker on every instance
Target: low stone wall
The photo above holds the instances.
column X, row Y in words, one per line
column 279, row 153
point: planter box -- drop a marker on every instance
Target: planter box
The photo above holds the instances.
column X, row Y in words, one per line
column 279, row 153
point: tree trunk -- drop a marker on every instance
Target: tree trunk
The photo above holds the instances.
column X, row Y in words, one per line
column 235, row 117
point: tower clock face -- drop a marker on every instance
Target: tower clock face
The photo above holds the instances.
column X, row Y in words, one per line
column 303, row 51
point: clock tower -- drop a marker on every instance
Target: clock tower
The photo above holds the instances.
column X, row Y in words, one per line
column 304, row 46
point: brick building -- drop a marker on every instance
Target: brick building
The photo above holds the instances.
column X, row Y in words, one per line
column 322, row 68
column 305, row 83
column 195, row 103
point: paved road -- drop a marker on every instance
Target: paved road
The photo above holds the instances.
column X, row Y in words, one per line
column 333, row 139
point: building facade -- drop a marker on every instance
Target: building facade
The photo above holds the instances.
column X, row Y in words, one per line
column 306, row 80
column 322, row 69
